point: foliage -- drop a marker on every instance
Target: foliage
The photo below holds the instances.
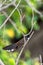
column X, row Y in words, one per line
column 18, row 24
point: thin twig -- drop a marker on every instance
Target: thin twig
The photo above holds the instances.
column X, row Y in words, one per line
column 19, row 13
column 2, row 4
column 12, row 22
column 10, row 15
column 23, row 48
column 5, row 7
column 32, row 7
column 41, row 59
column 8, row 5
column 32, row 24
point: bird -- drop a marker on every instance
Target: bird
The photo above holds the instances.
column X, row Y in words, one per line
column 13, row 47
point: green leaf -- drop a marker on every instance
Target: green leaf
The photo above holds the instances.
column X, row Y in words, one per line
column 11, row 61
column 4, row 42
column 2, row 18
column 21, row 62
column 36, row 26
column 15, row 16
column 29, row 62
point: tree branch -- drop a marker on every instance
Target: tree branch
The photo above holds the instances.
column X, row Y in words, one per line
column 32, row 7
column 23, row 48
column 10, row 15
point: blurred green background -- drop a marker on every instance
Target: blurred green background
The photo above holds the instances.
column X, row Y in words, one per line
column 16, row 30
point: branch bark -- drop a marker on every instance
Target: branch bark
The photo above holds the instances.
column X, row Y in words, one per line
column 26, row 42
column 9, row 15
